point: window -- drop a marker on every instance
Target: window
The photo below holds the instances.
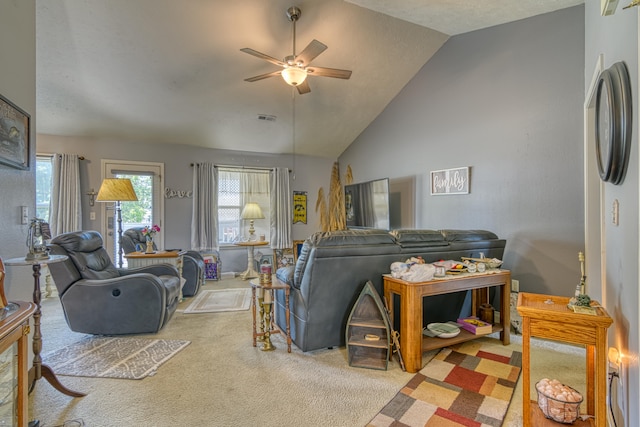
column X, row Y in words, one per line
column 43, row 186
column 236, row 187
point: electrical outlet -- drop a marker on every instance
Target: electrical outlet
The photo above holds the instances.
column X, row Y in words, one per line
column 621, row 393
column 515, row 285
column 92, row 216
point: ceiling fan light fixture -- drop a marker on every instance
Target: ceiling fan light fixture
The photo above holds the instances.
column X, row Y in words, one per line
column 294, row 75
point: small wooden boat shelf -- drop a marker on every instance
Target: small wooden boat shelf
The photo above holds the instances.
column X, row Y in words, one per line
column 368, row 335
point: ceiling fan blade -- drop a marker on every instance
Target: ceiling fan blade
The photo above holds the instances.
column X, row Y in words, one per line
column 262, row 76
column 303, row 87
column 263, row 56
column 310, row 52
column 329, row 72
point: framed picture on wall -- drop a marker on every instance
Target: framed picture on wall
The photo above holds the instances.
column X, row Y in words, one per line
column 283, row 257
column 297, row 247
column 14, row 135
column 266, row 259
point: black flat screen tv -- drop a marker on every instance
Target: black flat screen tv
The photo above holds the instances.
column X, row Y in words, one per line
column 367, row 204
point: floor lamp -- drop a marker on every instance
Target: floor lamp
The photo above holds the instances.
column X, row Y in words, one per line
column 117, row 190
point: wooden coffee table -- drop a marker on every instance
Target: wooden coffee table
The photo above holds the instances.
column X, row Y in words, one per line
column 412, row 342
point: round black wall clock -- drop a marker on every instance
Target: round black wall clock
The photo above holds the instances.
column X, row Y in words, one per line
column 613, row 122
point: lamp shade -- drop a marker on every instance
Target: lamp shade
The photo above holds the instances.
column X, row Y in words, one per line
column 294, row 75
column 116, row 190
column 252, row 211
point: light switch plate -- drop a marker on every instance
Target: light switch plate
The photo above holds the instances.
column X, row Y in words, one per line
column 24, row 215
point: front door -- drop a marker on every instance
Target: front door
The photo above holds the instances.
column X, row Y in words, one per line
column 148, row 181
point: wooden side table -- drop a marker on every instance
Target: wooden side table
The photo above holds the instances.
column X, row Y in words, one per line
column 412, row 342
column 251, row 272
column 39, row 369
column 266, row 292
column 547, row 316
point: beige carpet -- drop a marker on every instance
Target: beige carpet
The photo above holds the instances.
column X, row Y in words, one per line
column 213, row 301
column 220, row 379
column 113, row 357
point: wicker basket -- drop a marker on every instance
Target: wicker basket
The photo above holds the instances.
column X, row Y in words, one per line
column 558, row 410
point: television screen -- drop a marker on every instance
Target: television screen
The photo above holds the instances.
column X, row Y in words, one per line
column 367, row 204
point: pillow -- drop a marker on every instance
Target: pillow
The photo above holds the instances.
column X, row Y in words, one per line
column 285, row 274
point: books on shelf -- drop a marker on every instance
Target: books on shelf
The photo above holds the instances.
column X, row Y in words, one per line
column 475, row 325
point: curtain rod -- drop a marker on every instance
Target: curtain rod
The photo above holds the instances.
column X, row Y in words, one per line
column 51, row 155
column 241, row 167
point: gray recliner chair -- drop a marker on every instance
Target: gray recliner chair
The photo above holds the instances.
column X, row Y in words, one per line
column 98, row 298
column 193, row 268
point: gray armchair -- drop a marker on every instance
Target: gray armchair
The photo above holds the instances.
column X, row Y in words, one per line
column 98, row 298
column 193, row 267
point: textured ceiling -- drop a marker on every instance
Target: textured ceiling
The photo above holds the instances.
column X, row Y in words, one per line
column 170, row 71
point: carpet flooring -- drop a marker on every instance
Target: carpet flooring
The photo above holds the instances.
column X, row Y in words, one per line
column 221, row 380
column 217, row 300
column 469, row 385
column 112, row 357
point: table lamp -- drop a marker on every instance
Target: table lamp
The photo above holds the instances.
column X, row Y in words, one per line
column 251, row 212
column 117, row 190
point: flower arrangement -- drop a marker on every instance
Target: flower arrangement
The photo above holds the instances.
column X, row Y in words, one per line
column 149, row 232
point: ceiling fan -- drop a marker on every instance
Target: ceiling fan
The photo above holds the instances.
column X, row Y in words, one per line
column 296, row 68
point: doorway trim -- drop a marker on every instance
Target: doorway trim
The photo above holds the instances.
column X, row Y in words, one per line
column 594, row 197
column 107, row 165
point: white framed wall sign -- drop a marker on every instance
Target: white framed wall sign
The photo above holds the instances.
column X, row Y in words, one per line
column 450, row 181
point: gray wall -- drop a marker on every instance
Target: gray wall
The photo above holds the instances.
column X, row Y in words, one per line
column 310, row 174
column 616, row 39
column 506, row 101
column 17, row 188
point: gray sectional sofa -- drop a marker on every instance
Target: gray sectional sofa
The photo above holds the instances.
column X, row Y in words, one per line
column 333, row 267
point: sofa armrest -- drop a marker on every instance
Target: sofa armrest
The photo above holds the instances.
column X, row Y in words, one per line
column 285, row 274
column 116, row 306
column 154, row 269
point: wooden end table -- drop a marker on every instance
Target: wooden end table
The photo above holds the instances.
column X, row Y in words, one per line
column 40, row 370
column 547, row 316
column 412, row 342
column 251, row 272
column 268, row 289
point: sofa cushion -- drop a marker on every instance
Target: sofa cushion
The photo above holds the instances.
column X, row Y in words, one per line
column 352, row 237
column 421, row 238
column 87, row 253
column 301, row 264
column 467, row 235
column 285, row 274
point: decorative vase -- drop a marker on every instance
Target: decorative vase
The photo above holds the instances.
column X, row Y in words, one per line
column 149, row 245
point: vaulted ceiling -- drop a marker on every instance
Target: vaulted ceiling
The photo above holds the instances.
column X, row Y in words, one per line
column 169, row 71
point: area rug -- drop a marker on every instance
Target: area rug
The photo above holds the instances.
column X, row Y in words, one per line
column 469, row 385
column 211, row 301
column 110, row 357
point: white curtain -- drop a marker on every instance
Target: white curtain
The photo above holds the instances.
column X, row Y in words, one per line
column 204, row 214
column 281, row 214
column 66, row 207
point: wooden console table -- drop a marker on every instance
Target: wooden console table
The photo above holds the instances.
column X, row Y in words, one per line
column 412, row 342
column 547, row 316
column 14, row 331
